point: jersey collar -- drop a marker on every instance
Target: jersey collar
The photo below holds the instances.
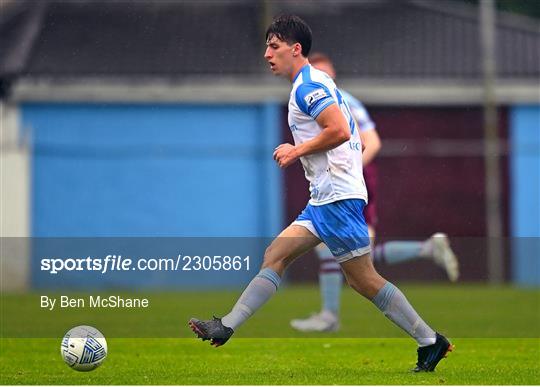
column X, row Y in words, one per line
column 304, row 67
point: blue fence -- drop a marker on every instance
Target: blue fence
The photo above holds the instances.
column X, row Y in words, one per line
column 525, row 195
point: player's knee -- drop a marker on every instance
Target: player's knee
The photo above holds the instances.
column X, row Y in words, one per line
column 360, row 288
column 356, row 285
column 273, row 260
column 367, row 286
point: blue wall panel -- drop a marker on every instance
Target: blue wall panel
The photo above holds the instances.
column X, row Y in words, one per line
column 102, row 170
column 525, row 202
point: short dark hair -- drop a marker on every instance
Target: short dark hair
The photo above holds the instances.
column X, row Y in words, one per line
column 291, row 29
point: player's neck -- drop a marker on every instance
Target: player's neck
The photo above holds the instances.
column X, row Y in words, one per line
column 297, row 66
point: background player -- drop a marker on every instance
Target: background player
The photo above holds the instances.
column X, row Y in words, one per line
column 436, row 248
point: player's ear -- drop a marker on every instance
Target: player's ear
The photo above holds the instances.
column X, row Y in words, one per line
column 296, row 49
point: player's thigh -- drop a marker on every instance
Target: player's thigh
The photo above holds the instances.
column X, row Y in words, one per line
column 291, row 243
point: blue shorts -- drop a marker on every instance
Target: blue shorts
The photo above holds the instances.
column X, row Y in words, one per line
column 340, row 225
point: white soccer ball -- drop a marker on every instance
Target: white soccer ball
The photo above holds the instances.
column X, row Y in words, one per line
column 83, row 348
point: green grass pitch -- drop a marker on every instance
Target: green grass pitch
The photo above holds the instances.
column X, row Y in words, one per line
column 496, row 331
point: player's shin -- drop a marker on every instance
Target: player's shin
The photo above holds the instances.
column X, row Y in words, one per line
column 391, row 301
column 258, row 291
column 330, row 279
column 398, row 251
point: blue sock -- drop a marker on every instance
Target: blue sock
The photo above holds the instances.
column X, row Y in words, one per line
column 258, row 291
column 395, row 306
column 330, row 280
column 398, row 251
column 331, row 284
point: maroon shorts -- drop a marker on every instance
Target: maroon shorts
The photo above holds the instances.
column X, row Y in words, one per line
column 370, row 211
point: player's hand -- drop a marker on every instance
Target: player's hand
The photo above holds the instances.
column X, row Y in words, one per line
column 285, row 155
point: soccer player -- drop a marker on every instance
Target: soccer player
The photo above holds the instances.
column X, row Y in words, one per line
column 436, row 248
column 327, row 142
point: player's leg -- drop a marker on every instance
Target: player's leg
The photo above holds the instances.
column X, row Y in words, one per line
column 291, row 243
column 330, row 276
column 436, row 248
column 294, row 241
column 330, row 280
column 393, row 252
column 362, row 277
column 330, row 285
column 341, row 225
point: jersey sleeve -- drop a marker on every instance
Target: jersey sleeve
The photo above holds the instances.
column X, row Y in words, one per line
column 313, row 97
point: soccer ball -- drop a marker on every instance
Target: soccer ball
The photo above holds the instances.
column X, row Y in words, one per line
column 83, row 348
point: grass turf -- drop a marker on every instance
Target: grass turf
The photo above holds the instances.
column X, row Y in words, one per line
column 495, row 330
column 276, row 361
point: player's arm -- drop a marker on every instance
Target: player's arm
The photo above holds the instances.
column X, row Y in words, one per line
column 315, row 100
column 335, row 131
column 372, row 143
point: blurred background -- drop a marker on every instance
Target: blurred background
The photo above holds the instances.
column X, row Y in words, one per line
column 158, row 119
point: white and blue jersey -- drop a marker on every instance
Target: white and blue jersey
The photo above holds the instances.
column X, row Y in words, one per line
column 336, row 174
column 338, row 192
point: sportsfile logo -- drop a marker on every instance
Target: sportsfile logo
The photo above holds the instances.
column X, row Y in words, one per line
column 113, row 263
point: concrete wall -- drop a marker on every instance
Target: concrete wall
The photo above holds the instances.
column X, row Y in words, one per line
column 14, row 201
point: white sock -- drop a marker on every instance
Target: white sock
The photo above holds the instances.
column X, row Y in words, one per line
column 391, row 301
column 259, row 290
column 330, row 279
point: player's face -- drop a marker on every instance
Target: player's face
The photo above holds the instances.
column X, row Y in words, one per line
column 279, row 55
column 326, row 67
